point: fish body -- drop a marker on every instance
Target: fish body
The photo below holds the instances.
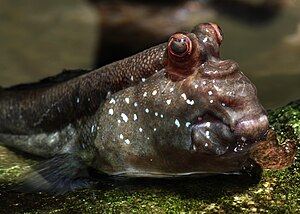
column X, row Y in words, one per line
column 175, row 109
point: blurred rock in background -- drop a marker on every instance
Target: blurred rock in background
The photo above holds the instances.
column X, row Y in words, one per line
column 127, row 27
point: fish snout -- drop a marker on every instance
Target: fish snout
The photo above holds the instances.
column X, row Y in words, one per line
column 252, row 128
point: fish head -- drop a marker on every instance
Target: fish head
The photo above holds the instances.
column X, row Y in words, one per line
column 220, row 102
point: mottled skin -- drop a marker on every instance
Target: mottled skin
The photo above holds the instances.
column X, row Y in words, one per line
column 194, row 114
column 54, row 102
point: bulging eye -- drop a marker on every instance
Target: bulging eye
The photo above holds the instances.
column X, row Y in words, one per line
column 218, row 33
column 179, row 45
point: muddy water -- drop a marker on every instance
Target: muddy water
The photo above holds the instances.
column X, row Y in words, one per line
column 38, row 39
column 268, row 53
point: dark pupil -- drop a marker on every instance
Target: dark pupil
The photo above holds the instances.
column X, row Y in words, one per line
column 179, row 47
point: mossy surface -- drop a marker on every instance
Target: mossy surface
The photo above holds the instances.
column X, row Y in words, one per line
column 272, row 191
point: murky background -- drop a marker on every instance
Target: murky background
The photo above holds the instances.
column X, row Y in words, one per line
column 40, row 38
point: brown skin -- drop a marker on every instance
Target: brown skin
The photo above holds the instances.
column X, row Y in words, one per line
column 51, row 105
column 195, row 114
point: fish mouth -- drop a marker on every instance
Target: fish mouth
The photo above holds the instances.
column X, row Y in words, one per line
column 213, row 135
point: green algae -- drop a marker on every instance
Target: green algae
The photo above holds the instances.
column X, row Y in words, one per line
column 272, row 191
column 286, row 120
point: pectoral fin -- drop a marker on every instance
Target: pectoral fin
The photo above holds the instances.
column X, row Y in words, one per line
column 58, row 175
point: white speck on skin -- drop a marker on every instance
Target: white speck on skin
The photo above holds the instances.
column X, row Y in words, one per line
column 147, row 110
column 121, row 136
column 145, row 94
column 214, row 81
column 78, row 100
column 223, row 104
column 111, row 111
column 187, row 124
column 154, row 129
column 184, row 96
column 143, row 79
column 205, row 39
column 210, row 93
column 207, row 124
column 140, row 129
column 177, row 123
column 154, row 92
column 204, row 82
column 112, row 101
column 196, row 85
column 124, row 117
column 207, row 134
column 162, row 116
column 127, row 141
column 211, row 101
column 190, row 102
column 93, row 128
column 217, row 88
column 135, row 104
column 156, row 114
column 206, row 144
column 127, row 100
column 119, row 121
column 131, row 78
column 171, row 89
column 134, row 117
column 148, row 138
column 169, row 101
